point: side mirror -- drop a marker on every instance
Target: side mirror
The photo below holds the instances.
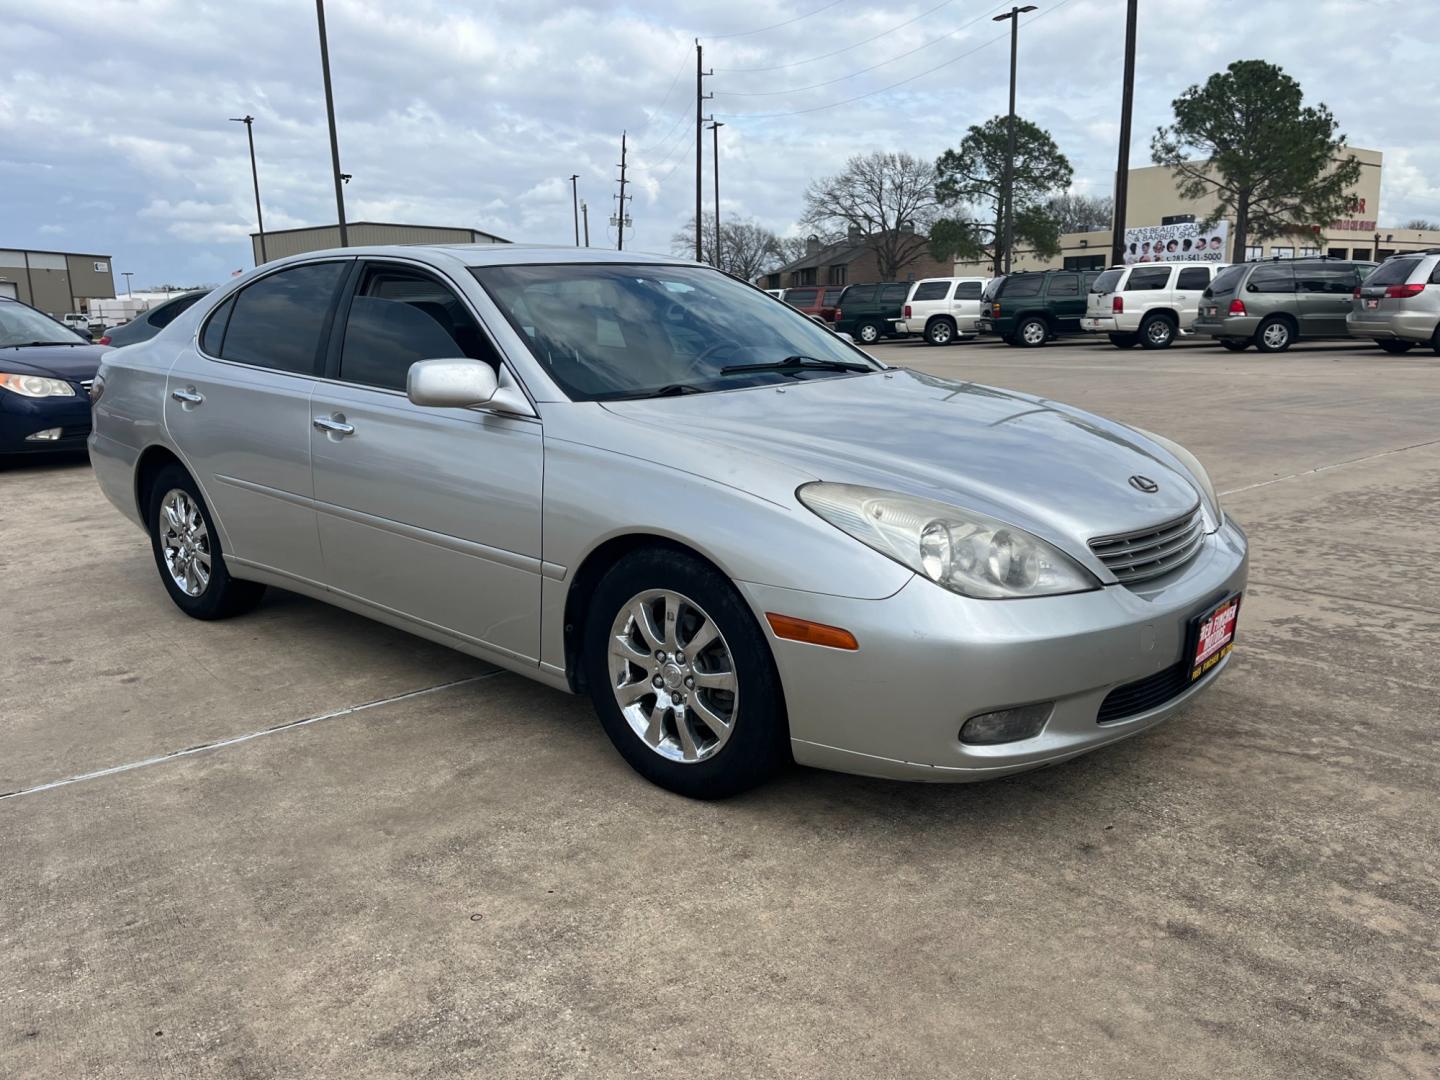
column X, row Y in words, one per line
column 456, row 384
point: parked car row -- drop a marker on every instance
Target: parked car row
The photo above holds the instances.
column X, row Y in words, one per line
column 941, row 310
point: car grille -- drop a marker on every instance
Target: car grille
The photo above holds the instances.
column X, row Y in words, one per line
column 1145, row 694
column 1140, row 556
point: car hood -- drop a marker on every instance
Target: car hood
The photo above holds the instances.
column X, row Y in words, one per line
column 74, row 362
column 1055, row 470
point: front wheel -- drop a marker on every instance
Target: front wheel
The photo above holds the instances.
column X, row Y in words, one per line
column 1032, row 332
column 682, row 677
column 1392, row 346
column 187, row 551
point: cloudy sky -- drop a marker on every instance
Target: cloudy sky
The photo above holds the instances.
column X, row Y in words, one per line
column 114, row 135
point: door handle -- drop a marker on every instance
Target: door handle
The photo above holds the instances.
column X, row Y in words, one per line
column 188, row 396
column 335, row 425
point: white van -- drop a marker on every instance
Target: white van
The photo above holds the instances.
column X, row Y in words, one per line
column 942, row 309
column 1147, row 304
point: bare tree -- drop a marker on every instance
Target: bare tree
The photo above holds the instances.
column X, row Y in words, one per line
column 747, row 248
column 1423, row 224
column 888, row 198
column 1080, row 213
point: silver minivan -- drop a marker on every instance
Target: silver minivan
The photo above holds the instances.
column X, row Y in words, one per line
column 1398, row 306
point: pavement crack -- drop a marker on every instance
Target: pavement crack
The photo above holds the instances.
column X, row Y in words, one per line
column 1417, row 609
column 1332, row 465
column 217, row 744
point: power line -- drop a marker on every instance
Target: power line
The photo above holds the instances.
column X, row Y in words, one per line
column 892, row 86
column 837, row 52
column 775, row 26
column 862, row 71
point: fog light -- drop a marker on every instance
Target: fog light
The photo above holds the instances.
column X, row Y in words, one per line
column 1006, row 725
column 50, row 434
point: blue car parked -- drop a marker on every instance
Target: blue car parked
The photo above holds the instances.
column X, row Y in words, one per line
column 45, row 374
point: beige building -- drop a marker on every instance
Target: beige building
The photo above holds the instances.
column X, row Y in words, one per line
column 283, row 242
column 1152, row 199
column 56, row 282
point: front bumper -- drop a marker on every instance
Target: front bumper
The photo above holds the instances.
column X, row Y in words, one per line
column 929, row 659
column 1393, row 326
column 21, row 417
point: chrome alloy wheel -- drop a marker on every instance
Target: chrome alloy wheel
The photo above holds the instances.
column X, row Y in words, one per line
column 1158, row 331
column 185, row 542
column 673, row 676
column 1033, row 333
column 1276, row 335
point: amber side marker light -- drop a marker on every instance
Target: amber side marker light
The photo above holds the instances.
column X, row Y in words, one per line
column 812, row 633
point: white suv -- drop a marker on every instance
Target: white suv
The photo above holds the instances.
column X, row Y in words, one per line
column 1147, row 304
column 942, row 309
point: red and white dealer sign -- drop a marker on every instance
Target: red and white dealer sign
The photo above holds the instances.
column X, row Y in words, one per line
column 1216, row 637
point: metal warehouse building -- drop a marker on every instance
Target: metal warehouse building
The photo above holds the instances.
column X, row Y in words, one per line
column 56, row 282
column 285, row 242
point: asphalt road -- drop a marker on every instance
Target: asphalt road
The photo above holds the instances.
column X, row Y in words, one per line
column 450, row 873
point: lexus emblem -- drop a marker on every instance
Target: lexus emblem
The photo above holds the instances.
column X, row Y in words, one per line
column 1145, row 484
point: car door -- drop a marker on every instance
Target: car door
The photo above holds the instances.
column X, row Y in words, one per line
column 1190, row 282
column 1065, row 301
column 238, row 410
column 1324, row 292
column 432, row 513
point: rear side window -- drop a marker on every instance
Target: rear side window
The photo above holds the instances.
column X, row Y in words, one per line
column 1228, row 280
column 278, row 322
column 1393, row 272
column 214, row 336
column 931, row 290
column 1435, row 274
column 1193, row 277
column 832, row 297
column 1272, row 279
column 1107, row 281
column 968, row 290
column 857, row 294
column 801, row 297
column 1020, row 285
column 1148, row 278
column 893, row 294
column 1319, row 278
column 1064, row 285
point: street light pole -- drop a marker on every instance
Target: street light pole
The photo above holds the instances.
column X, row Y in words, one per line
column 128, row 274
column 575, row 204
column 330, row 116
column 1008, row 194
column 715, row 126
column 248, row 121
column 585, row 213
column 1122, row 166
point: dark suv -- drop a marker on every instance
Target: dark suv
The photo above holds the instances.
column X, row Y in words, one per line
column 869, row 312
column 1030, row 308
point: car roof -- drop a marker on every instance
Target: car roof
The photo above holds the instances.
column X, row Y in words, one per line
column 495, row 254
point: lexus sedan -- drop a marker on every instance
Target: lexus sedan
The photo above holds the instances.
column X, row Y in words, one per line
column 639, row 479
column 45, row 374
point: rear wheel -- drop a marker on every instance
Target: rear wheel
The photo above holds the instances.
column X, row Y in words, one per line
column 1233, row 345
column 1124, row 341
column 187, row 551
column 1032, row 331
column 1157, row 332
column 867, row 333
column 939, row 331
column 1435, row 340
column 1392, row 346
column 1274, row 335
column 682, row 677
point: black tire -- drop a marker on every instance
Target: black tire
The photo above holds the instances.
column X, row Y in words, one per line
column 1157, row 331
column 1031, row 332
column 759, row 741
column 1275, row 334
column 940, row 331
column 1435, row 340
column 222, row 595
column 868, row 333
column 1392, row 346
column 1124, row 341
column 1233, row 345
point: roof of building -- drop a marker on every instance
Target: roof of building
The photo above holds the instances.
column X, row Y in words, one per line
column 840, row 252
column 46, row 251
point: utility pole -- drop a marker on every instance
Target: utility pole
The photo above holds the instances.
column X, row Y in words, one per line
column 700, row 98
column 248, row 120
column 575, row 205
column 619, row 219
column 1122, row 167
column 330, row 116
column 1008, row 195
column 715, row 126
column 128, row 274
column 585, row 213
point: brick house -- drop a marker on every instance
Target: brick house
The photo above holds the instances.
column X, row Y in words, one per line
column 846, row 262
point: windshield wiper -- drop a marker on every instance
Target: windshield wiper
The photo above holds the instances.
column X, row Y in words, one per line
column 797, row 363
column 668, row 390
column 33, row 344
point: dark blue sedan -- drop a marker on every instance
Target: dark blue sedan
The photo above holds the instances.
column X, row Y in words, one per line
column 45, row 374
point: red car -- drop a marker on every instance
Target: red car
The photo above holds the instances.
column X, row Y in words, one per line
column 819, row 300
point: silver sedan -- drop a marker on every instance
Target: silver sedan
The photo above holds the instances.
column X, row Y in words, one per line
column 637, row 478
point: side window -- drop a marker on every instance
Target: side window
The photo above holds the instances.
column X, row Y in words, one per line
column 1272, row 278
column 213, row 336
column 1064, row 285
column 893, row 294
column 1193, row 277
column 1324, row 279
column 801, row 298
column 931, row 290
column 968, row 290
column 400, row 316
column 1017, row 286
column 278, row 322
column 1435, row 274
column 1148, row 278
column 857, row 294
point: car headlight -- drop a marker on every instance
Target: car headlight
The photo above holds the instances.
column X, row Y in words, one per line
column 963, row 551
column 35, row 385
column 1197, row 473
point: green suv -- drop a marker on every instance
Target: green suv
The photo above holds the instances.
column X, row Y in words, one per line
column 869, row 312
column 1030, row 308
column 1275, row 303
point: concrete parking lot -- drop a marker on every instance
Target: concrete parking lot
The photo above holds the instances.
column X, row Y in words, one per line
column 449, row 872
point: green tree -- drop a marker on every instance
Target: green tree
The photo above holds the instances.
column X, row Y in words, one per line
column 971, row 179
column 1246, row 139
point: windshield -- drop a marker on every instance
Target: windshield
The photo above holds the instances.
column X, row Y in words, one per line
column 21, row 325
column 605, row 331
column 1107, row 281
